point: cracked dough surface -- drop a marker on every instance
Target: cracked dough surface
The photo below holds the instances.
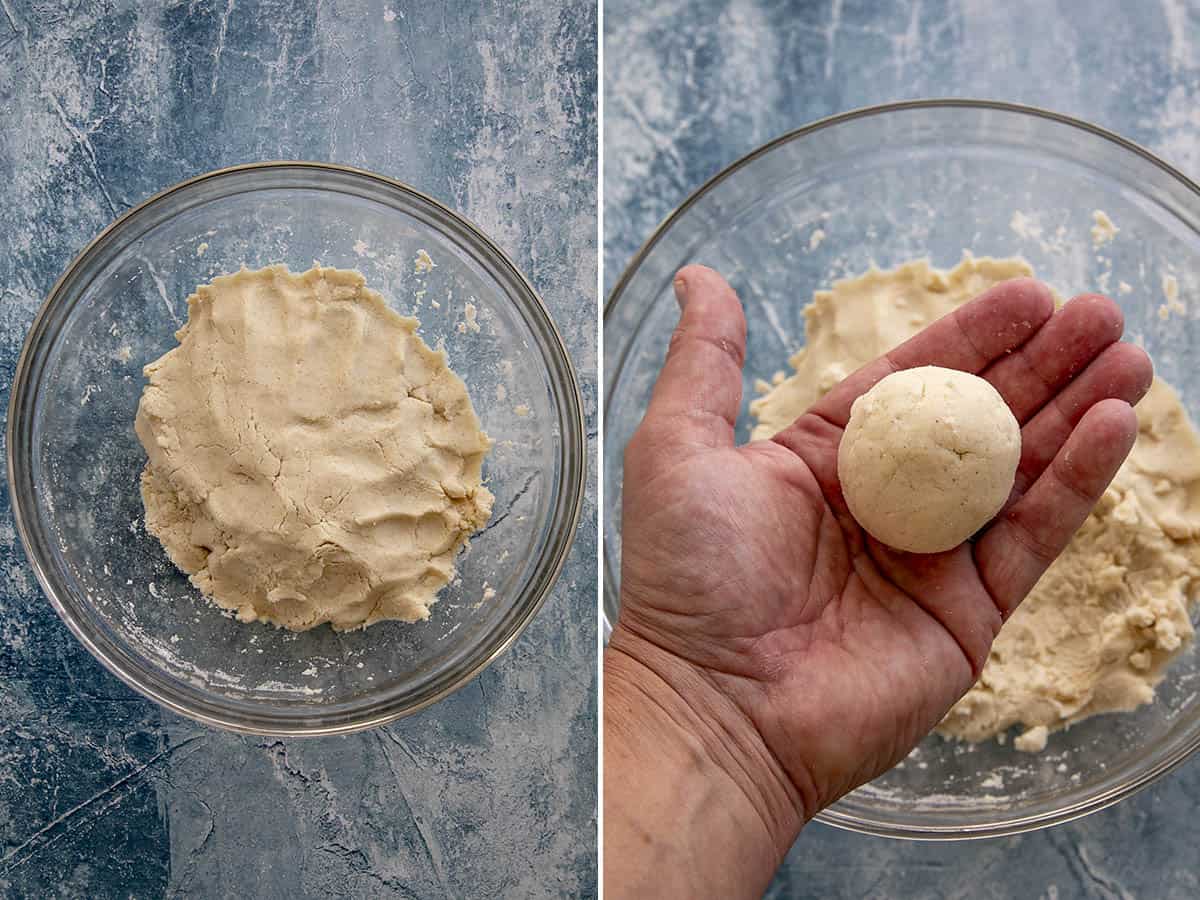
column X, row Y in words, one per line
column 1098, row 630
column 311, row 459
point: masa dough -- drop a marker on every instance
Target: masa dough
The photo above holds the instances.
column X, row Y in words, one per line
column 928, row 458
column 1097, row 631
column 311, row 459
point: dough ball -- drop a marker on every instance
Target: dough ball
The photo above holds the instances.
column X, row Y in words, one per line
column 928, row 458
column 311, row 459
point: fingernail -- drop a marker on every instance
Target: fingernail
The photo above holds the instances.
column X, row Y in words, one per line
column 681, row 290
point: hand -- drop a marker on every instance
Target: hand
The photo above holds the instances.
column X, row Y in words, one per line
column 793, row 656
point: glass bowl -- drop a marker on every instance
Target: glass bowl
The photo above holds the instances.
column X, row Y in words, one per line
column 928, row 179
column 74, row 460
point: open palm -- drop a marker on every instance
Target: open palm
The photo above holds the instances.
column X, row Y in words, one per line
column 747, row 585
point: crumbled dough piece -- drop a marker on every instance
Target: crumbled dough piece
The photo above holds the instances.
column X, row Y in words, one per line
column 1024, row 227
column 1103, row 230
column 1098, row 630
column 423, row 263
column 1032, row 740
column 1170, row 289
column 311, row 459
column 470, row 320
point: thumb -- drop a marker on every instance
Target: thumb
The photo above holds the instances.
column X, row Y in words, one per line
column 699, row 390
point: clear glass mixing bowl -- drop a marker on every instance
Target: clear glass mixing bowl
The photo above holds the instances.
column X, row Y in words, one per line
column 888, row 184
column 74, row 460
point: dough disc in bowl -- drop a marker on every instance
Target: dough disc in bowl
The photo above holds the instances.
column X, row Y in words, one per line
column 311, row 459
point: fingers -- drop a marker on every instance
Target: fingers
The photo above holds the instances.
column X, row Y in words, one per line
column 699, row 390
column 996, row 322
column 1122, row 371
column 1074, row 336
column 1020, row 545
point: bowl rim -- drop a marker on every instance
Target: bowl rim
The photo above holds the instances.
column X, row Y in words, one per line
column 573, row 487
column 610, row 601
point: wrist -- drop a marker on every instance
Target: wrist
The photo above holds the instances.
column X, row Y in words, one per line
column 693, row 785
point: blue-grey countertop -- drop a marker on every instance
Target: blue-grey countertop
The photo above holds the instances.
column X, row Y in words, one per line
column 488, row 106
column 692, row 86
